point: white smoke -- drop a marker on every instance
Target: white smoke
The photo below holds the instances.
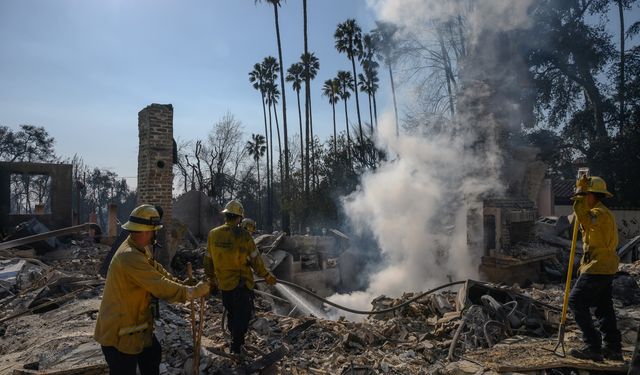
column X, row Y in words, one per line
column 417, row 204
column 502, row 15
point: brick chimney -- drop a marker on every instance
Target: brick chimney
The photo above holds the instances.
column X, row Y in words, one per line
column 155, row 168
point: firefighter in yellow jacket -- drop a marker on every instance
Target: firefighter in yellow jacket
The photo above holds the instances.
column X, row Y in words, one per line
column 598, row 265
column 124, row 327
column 229, row 262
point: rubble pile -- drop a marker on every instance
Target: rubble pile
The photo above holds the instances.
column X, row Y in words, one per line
column 49, row 304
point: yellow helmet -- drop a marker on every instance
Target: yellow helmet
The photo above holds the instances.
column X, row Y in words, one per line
column 597, row 185
column 144, row 218
column 249, row 225
column 234, row 207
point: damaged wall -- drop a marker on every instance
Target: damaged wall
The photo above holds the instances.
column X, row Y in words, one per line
column 60, row 174
column 198, row 212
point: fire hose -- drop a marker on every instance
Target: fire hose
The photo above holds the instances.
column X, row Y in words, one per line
column 363, row 312
column 348, row 309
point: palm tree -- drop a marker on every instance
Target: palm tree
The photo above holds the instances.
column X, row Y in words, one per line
column 294, row 75
column 270, row 74
column 311, row 65
column 348, row 38
column 256, row 147
column 346, row 86
column 331, row 89
column 384, row 36
column 307, row 99
column 273, row 94
column 370, row 68
column 364, row 86
column 285, row 183
column 259, row 77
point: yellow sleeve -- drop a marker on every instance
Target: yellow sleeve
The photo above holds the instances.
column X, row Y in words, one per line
column 149, row 278
column 166, row 273
column 256, row 259
column 209, row 271
column 582, row 212
column 208, row 267
column 590, row 219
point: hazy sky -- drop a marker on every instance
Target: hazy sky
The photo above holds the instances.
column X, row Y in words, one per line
column 83, row 69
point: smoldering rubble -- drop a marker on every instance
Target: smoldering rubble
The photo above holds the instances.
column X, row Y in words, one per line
column 49, row 305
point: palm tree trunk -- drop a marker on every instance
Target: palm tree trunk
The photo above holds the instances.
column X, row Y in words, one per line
column 314, row 169
column 275, row 116
column 307, row 96
column 266, row 137
column 395, row 104
column 259, row 190
column 285, row 184
column 270, row 192
column 304, row 14
column 346, row 120
column 375, row 109
column 302, row 158
column 355, row 81
column 370, row 114
column 335, row 135
column 621, row 89
column 307, row 141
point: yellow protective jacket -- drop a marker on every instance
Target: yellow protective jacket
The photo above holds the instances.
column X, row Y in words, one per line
column 600, row 239
column 125, row 320
column 231, row 255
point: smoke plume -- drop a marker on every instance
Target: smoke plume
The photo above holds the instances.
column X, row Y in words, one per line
column 418, row 205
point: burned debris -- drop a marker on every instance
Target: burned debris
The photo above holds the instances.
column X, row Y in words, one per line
column 49, row 306
column 50, row 293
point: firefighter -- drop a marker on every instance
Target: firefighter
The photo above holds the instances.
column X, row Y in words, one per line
column 124, row 327
column 249, row 225
column 230, row 260
column 598, row 265
column 124, row 234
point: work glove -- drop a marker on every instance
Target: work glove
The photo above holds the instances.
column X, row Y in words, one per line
column 200, row 290
column 582, row 184
column 270, row 279
column 579, row 202
column 190, row 281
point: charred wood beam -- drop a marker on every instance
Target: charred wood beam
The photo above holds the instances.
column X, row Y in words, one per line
column 44, row 236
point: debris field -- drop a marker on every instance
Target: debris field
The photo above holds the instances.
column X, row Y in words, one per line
column 49, row 304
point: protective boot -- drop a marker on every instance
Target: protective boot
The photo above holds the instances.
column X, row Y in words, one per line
column 587, row 353
column 612, row 354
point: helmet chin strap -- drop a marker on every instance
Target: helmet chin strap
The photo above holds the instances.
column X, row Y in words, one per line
column 154, row 243
column 154, row 239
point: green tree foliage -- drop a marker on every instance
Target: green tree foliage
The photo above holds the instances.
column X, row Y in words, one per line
column 28, row 144
column 585, row 92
